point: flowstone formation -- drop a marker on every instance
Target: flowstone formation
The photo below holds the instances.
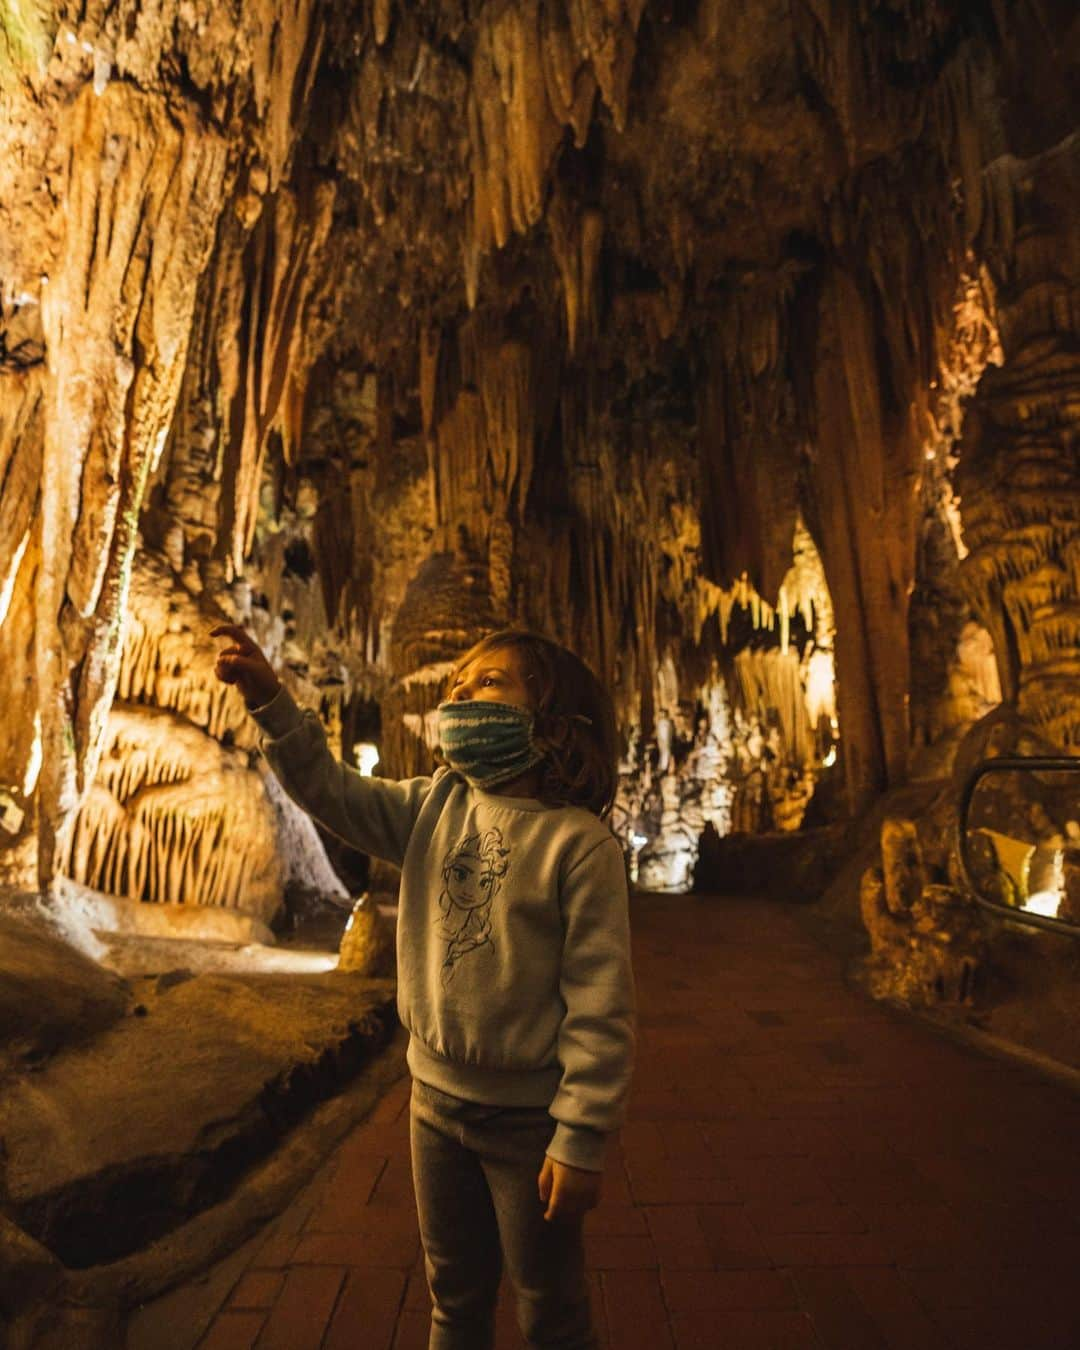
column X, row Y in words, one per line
column 733, row 345
column 182, row 811
column 1019, row 468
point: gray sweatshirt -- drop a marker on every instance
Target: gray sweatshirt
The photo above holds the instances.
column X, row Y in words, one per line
column 513, row 939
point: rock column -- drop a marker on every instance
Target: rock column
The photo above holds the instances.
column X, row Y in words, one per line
column 1019, row 471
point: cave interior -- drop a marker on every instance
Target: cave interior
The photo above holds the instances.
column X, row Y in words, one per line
column 735, row 346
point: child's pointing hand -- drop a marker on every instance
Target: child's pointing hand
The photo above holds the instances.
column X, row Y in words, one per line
column 244, row 665
column 567, row 1191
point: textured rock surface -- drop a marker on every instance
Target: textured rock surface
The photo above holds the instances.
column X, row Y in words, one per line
column 927, row 941
column 593, row 299
column 50, row 994
column 367, row 945
column 733, row 345
column 1020, row 472
column 243, row 1057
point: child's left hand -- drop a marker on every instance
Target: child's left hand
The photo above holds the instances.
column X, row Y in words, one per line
column 568, row 1191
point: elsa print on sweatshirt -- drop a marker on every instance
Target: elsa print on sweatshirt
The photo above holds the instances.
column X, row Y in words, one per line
column 472, row 873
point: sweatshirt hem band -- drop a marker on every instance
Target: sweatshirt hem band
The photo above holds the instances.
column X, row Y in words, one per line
column 473, row 1082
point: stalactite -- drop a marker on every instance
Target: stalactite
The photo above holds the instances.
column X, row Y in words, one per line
column 490, row 223
column 748, row 436
column 506, row 389
column 281, row 274
column 571, row 87
column 535, row 70
column 576, row 238
column 605, row 30
column 430, row 348
column 285, row 59
column 462, row 465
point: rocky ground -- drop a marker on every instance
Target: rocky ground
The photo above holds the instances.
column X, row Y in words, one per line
column 131, row 1108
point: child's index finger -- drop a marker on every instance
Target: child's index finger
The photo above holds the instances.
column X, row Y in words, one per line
column 231, row 630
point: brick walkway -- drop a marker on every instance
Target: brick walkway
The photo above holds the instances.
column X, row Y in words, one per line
column 802, row 1170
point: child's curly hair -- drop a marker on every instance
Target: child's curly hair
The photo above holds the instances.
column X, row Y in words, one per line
column 574, row 719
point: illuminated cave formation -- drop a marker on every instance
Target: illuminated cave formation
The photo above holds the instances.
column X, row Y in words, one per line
column 734, row 346
column 174, row 817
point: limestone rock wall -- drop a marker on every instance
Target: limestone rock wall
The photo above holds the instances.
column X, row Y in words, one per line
column 374, row 326
column 127, row 133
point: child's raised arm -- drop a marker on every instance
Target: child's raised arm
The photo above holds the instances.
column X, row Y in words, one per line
column 375, row 815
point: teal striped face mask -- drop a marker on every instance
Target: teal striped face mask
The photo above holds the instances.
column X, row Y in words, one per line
column 487, row 743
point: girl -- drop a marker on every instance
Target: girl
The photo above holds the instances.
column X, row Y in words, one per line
column 514, row 978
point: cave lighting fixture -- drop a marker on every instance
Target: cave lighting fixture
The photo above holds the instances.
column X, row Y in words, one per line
column 367, row 756
column 1047, row 902
column 1043, row 902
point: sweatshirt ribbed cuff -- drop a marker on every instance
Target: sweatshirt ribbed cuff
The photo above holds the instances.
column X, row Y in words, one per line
column 278, row 717
column 578, row 1146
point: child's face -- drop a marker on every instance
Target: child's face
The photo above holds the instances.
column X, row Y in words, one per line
column 498, row 676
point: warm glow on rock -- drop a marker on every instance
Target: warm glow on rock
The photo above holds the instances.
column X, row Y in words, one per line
column 736, row 347
column 7, row 579
column 33, row 766
column 820, row 687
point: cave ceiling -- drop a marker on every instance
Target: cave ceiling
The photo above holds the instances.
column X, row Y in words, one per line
column 709, row 151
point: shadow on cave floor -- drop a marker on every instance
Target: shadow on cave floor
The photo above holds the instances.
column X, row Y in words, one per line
column 801, row 1167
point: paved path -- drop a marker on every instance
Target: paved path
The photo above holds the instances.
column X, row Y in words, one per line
column 802, row 1170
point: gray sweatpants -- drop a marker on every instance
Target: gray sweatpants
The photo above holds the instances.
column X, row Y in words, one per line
column 475, row 1170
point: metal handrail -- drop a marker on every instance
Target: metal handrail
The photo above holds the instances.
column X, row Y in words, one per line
column 1025, row 763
